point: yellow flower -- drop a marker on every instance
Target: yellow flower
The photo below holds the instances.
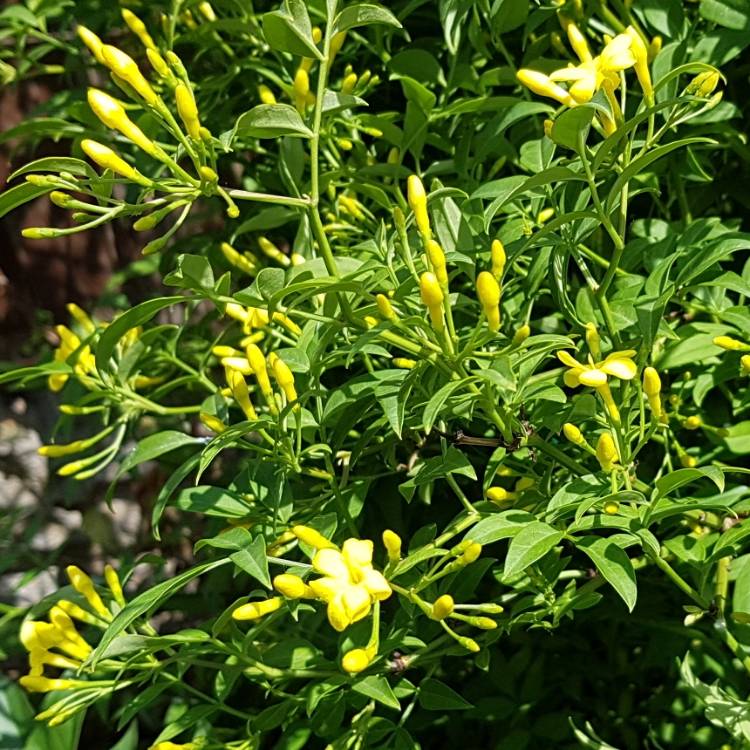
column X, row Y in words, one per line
column 188, row 110
column 85, row 587
column 652, row 389
column 498, row 256
column 312, row 537
column 292, row 587
column 256, row 610
column 606, row 451
column 349, row 584
column 432, row 296
column 266, row 95
column 543, row 85
column 356, row 660
column 488, row 292
column 392, row 544
column 442, row 607
column 417, row 199
column 385, row 308
column 594, row 374
column 106, row 158
column 125, row 68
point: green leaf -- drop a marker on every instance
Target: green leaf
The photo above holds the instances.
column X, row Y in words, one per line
column 573, row 125
column 435, row 404
column 147, row 602
column 212, row 501
column 56, row 164
column 377, row 688
column 530, row 544
column 364, row 14
column 289, row 30
column 669, row 483
column 19, row 195
column 437, row 696
column 272, row 121
column 253, row 560
column 132, row 318
column 168, row 488
column 498, row 526
column 614, row 565
column 733, row 14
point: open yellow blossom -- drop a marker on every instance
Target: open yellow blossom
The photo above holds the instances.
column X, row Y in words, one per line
column 349, row 584
column 594, row 374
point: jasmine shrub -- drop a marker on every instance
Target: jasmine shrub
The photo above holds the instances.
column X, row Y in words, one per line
column 452, row 403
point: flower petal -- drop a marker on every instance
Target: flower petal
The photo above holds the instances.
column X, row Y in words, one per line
column 593, row 377
column 376, row 584
column 357, row 552
column 622, row 368
column 326, row 588
column 570, row 378
column 567, row 359
column 330, row 562
column 571, row 73
column 617, row 55
column 357, row 602
column 337, row 615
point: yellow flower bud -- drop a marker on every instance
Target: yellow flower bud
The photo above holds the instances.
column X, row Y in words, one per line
column 292, row 587
column 335, row 45
column 138, row 28
column 385, row 308
column 688, row 462
column 392, row 544
column 258, row 364
column 692, row 423
column 404, row 363
column 85, row 587
column 499, row 495
column 311, row 537
column 417, row 199
column 355, row 661
column 159, row 64
column 547, row 126
column 271, row 251
column 573, row 434
column 266, row 95
column 348, row 84
column 437, row 260
column 488, row 292
column 432, row 297
column 651, row 382
column 543, row 85
column 92, row 41
column 611, row 507
column 37, row 684
column 285, row 379
column 471, row 553
column 745, row 364
column 578, row 43
column 237, row 259
column 483, row 623
column 545, row 215
column 606, row 451
column 593, row 341
column 498, row 258
column 301, row 89
column 521, row 335
column 256, row 610
column 654, row 48
column 113, row 581
column 730, row 344
column 704, row 84
column 442, row 607
column 124, row 67
column 212, row 422
column 187, row 110
column 73, row 610
column 469, row 644
column 207, row 11
column 112, row 114
column 640, row 53
column 238, row 387
column 106, row 158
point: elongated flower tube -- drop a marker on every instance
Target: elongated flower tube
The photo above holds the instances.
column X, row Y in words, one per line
column 238, row 259
column 37, row 684
column 125, row 68
column 240, row 393
column 593, row 341
column 488, row 292
column 301, row 89
column 578, row 43
column 92, row 41
column 85, row 587
column 521, row 335
column 285, row 379
column 159, row 64
column 292, row 587
column 113, row 582
column 271, row 251
column 730, row 344
column 187, row 110
column 432, row 297
column 652, row 389
column 640, row 53
column 417, row 199
column 606, row 451
column 258, row 364
column 106, row 158
column 498, row 259
column 543, row 85
column 500, row 495
column 385, row 308
column 745, row 364
column 404, row 363
column 257, row 610
column 113, row 115
column 574, row 434
column 437, row 260
column 312, row 537
column 138, row 28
